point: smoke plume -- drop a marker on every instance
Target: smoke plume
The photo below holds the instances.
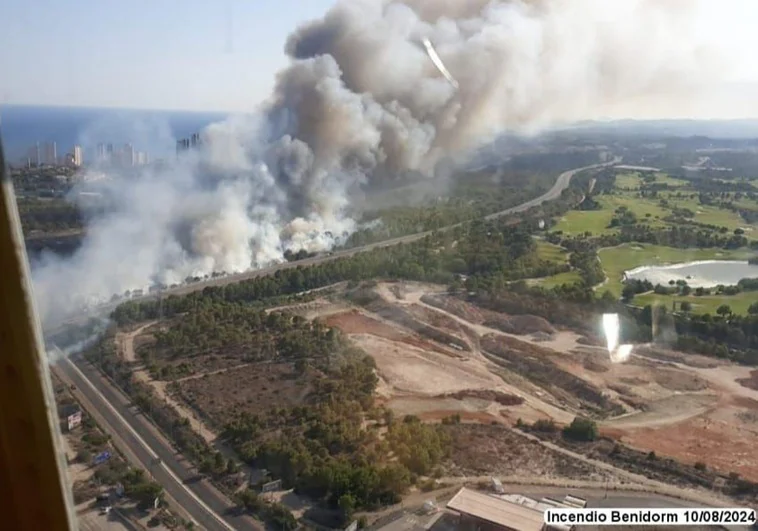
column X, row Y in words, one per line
column 360, row 104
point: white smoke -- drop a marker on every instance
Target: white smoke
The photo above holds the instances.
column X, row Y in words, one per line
column 359, row 104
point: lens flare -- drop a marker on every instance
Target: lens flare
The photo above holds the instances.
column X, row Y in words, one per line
column 612, row 329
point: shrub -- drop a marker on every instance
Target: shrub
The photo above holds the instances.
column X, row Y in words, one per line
column 545, row 426
column 581, row 429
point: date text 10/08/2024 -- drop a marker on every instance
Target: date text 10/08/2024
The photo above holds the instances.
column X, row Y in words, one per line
column 736, row 516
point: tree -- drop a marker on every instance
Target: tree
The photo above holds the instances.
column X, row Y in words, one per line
column 545, row 425
column 628, row 292
column 753, row 309
column 218, row 461
column 84, row 456
column 685, row 306
column 608, row 298
column 581, row 429
column 144, row 493
column 347, row 504
column 724, row 310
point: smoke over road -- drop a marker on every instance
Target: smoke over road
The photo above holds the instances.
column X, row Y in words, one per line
column 359, row 103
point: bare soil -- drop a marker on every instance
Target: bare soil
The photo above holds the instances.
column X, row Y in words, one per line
column 253, row 389
column 354, row 322
column 676, row 380
column 724, row 446
column 495, row 396
column 750, row 383
column 438, row 356
column 491, row 449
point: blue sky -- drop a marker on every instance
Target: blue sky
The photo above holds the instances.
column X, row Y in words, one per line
column 222, row 55
column 165, row 54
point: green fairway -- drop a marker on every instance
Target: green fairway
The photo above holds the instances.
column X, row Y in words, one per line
column 748, row 204
column 570, row 277
column 558, row 255
column 706, row 304
column 550, row 252
column 618, row 259
column 597, row 221
column 628, row 181
column 712, row 215
column 652, row 210
column 632, row 180
column 671, row 181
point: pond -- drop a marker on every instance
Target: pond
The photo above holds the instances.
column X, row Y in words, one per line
column 705, row 274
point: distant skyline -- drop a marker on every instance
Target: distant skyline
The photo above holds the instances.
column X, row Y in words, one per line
column 223, row 56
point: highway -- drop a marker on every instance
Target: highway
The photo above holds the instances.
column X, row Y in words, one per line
column 203, row 502
column 208, row 507
column 561, row 183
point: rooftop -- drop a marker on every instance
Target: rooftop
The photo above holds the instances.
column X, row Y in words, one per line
column 496, row 510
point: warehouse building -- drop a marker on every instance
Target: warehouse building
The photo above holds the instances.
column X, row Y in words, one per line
column 482, row 512
column 478, row 511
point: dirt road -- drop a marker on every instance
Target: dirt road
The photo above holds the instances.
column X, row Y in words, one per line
column 125, row 346
column 125, row 342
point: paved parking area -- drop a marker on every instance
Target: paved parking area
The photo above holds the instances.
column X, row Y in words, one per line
column 94, row 521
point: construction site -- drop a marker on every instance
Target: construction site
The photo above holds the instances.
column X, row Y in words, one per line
column 440, row 357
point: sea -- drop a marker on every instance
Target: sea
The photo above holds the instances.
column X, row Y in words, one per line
column 153, row 131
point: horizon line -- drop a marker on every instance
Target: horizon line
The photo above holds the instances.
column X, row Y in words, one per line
column 579, row 122
column 124, row 108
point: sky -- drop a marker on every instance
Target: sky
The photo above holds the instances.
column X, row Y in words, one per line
column 217, row 55
column 223, row 55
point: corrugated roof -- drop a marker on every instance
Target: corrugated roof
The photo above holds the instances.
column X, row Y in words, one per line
column 496, row 510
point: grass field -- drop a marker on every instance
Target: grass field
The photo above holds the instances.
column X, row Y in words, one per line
column 558, row 255
column 648, row 210
column 628, row 181
column 550, row 252
column 747, row 204
column 570, row 277
column 706, row 304
column 618, row 259
column 712, row 215
column 597, row 221
column 632, row 180
column 671, row 181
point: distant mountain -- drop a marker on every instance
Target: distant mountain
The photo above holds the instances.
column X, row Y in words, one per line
column 745, row 128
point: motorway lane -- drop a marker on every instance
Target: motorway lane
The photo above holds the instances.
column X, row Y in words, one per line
column 101, row 393
column 561, row 183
